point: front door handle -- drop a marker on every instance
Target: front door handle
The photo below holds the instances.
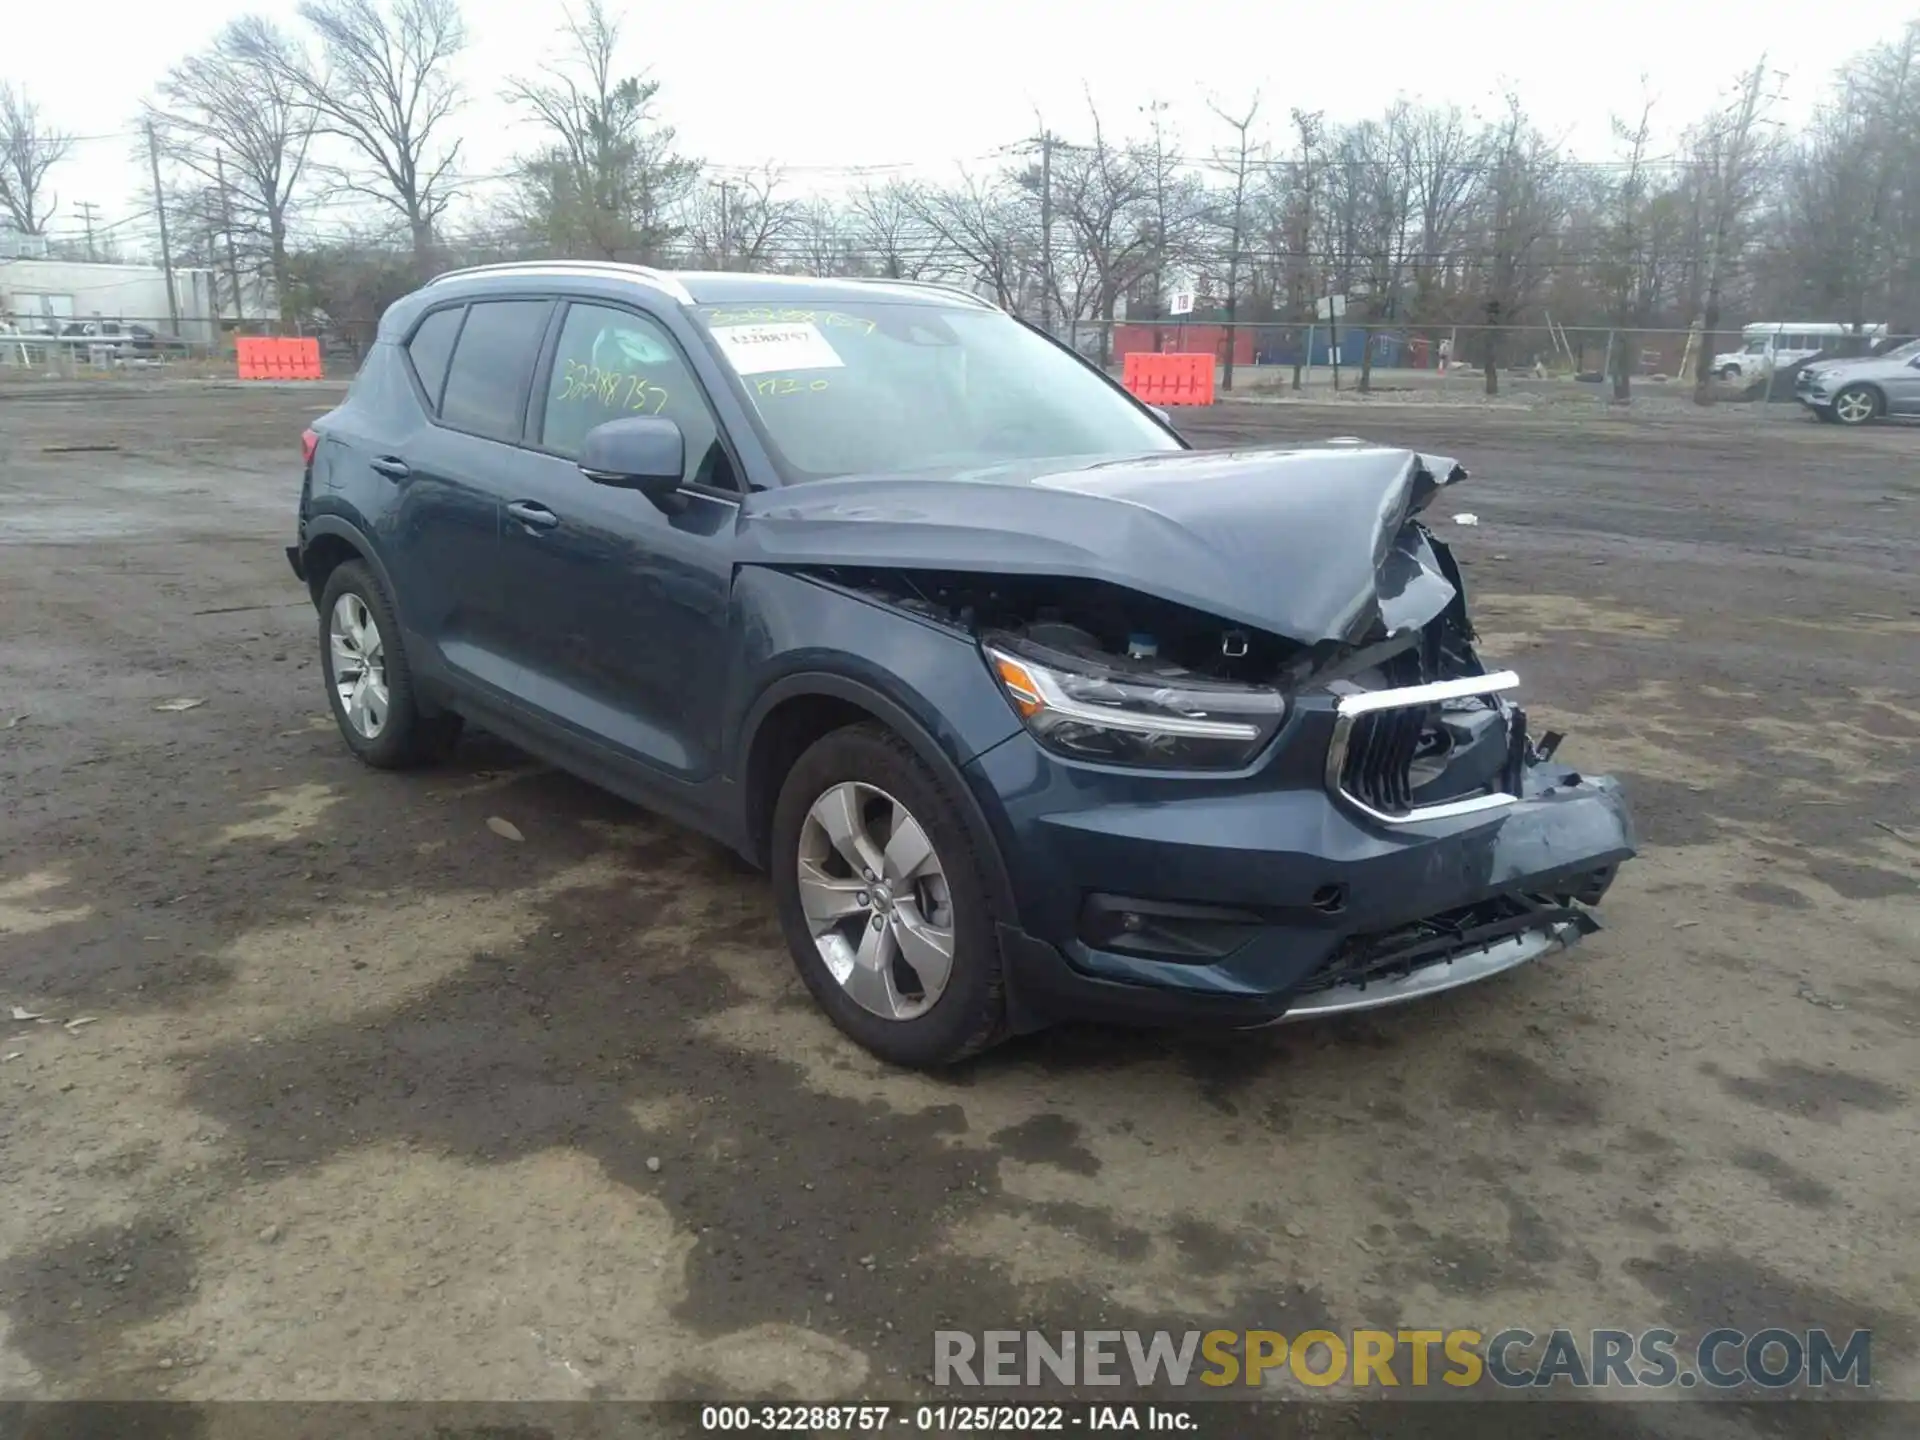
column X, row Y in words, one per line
column 392, row 466
column 534, row 517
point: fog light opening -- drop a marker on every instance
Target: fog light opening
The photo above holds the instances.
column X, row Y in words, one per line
column 1330, row 899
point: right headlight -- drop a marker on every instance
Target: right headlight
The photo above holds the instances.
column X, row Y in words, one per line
column 1087, row 711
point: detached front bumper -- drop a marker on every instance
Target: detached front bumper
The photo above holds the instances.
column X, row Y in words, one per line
column 1248, row 906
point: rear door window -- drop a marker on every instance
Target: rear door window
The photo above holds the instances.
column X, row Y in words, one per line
column 430, row 349
column 486, row 391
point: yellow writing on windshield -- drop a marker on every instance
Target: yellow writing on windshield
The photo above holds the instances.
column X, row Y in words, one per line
column 771, row 315
column 613, row 389
column 787, row 385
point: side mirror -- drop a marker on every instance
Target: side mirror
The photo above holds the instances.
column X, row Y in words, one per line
column 1162, row 416
column 641, row 452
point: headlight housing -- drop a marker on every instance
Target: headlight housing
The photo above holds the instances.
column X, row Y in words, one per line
column 1084, row 710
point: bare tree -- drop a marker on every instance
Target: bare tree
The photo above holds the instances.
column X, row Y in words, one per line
column 1179, row 209
column 29, row 148
column 1296, row 210
column 606, row 181
column 1237, row 161
column 990, row 226
column 1103, row 195
column 1731, row 152
column 886, row 228
column 742, row 223
column 1522, row 202
column 381, row 84
column 1385, row 186
column 235, row 121
column 822, row 242
column 1626, row 245
column 1442, row 155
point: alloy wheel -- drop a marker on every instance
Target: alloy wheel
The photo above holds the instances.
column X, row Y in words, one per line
column 876, row 900
column 1854, row 406
column 358, row 655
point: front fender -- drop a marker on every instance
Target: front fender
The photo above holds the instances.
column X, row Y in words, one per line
column 801, row 635
column 925, row 682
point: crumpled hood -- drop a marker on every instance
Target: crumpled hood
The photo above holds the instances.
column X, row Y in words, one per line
column 1312, row 544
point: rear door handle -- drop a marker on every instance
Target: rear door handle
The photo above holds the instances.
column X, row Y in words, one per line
column 534, row 517
column 392, row 466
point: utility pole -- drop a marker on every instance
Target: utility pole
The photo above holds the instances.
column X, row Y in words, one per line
column 160, row 212
column 233, row 257
column 88, row 215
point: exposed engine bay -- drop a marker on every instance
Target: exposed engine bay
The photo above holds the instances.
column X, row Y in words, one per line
column 1127, row 632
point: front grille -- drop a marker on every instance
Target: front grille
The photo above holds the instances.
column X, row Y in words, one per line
column 1379, row 766
column 1379, row 734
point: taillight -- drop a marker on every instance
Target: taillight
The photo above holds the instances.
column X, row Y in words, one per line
column 308, row 443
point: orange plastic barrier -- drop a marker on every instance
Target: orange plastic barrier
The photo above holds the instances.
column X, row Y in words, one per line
column 259, row 357
column 1169, row 379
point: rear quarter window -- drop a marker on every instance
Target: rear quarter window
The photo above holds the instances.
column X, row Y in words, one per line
column 430, row 349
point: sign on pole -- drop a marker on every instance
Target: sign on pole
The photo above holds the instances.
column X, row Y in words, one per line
column 1330, row 307
column 1180, row 302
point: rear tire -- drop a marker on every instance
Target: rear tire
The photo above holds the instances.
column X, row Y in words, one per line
column 370, row 685
column 870, row 778
column 1729, row 372
column 1856, row 405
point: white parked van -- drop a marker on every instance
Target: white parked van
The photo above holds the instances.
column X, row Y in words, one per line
column 1783, row 342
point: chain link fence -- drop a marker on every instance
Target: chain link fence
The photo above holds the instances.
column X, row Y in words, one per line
column 1266, row 354
column 1253, row 358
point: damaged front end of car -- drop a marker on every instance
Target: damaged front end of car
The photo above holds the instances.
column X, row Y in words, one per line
column 1262, row 771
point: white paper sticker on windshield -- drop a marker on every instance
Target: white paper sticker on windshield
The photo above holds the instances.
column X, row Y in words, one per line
column 756, row 349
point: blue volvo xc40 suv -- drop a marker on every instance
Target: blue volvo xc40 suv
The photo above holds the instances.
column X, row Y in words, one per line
column 1030, row 710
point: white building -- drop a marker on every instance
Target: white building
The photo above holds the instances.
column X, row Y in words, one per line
column 36, row 292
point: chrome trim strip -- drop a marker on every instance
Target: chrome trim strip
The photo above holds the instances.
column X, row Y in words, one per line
column 1430, row 694
column 1353, row 706
column 640, row 274
column 1432, row 979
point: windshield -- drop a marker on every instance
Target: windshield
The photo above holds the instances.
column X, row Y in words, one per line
column 869, row 387
column 1908, row 351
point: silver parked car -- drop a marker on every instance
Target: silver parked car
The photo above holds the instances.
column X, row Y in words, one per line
column 1852, row 392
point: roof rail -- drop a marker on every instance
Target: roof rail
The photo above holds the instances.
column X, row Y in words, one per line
column 644, row 274
column 939, row 285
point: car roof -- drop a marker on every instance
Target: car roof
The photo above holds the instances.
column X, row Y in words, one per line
column 685, row 287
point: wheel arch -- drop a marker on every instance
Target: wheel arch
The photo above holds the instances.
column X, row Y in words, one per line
column 795, row 711
column 329, row 543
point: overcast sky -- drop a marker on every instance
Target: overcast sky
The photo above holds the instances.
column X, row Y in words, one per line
column 820, row 85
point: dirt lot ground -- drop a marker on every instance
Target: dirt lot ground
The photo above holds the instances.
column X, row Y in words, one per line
column 373, row 1102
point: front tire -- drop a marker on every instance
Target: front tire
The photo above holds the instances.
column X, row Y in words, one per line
column 370, row 685
column 1856, row 405
column 1729, row 372
column 882, row 902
